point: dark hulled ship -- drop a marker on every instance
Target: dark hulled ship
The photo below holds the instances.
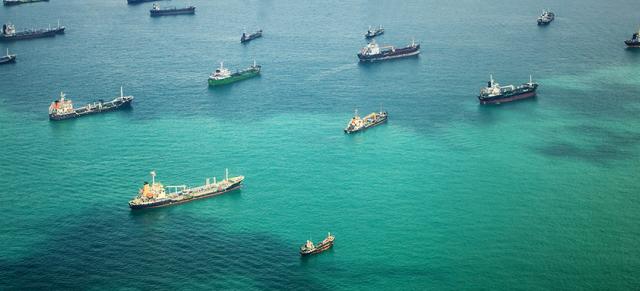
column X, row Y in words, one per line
column 62, row 108
column 7, row 58
column 154, row 195
column 139, row 1
column 246, row 37
column 310, row 249
column 634, row 41
column 495, row 94
column 373, row 33
column 18, row 2
column 357, row 124
column 157, row 11
column 372, row 52
column 9, row 32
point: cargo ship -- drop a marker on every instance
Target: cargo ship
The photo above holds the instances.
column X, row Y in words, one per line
column 495, row 94
column 18, row 2
column 373, row 33
column 63, row 109
column 634, row 41
column 372, row 52
column 357, row 124
column 222, row 75
column 8, row 58
column 546, row 17
column 310, row 249
column 9, row 32
column 248, row 37
column 154, row 195
column 157, row 11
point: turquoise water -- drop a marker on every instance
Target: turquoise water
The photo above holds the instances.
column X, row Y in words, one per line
column 539, row 194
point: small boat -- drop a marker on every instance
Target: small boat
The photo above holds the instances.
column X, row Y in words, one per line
column 9, row 32
column 62, row 108
column 373, row 33
column 373, row 52
column 546, row 17
column 18, row 2
column 8, row 58
column 222, row 75
column 634, row 41
column 496, row 94
column 157, row 11
column 310, row 249
column 357, row 124
column 248, row 37
column 154, row 195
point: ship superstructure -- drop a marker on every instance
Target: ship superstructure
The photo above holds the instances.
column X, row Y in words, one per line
column 154, row 195
column 373, row 52
column 371, row 33
column 63, row 108
column 496, row 94
column 634, row 41
column 546, row 17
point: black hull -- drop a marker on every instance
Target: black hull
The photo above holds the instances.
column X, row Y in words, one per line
column 139, row 1
column 250, row 37
column 524, row 94
column 155, row 13
column 633, row 44
column 318, row 249
column 170, row 202
column 391, row 54
column 77, row 114
column 9, row 60
column 14, row 3
column 23, row 36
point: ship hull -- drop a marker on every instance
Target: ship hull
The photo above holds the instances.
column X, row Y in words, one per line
column 22, row 35
column 388, row 55
column 632, row 44
column 12, row 3
column 318, row 249
column 80, row 113
column 8, row 60
column 155, row 13
column 170, row 202
column 367, row 127
column 250, row 37
column 234, row 78
column 509, row 98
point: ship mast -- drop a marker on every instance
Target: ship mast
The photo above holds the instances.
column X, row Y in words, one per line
column 153, row 178
column 226, row 174
column 121, row 92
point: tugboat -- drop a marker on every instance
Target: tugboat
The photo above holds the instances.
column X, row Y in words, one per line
column 248, row 37
column 63, row 109
column 634, row 41
column 357, row 124
column 373, row 33
column 18, row 2
column 495, row 94
column 157, row 11
column 8, row 58
column 154, row 195
column 372, row 52
column 9, row 32
column 546, row 17
column 222, row 75
column 309, row 249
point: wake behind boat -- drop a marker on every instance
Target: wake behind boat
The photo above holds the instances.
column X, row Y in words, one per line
column 7, row 58
column 157, row 11
column 154, row 195
column 372, row 52
column 63, row 108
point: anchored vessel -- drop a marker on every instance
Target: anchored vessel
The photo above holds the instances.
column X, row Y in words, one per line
column 309, row 249
column 495, row 94
column 372, row 52
column 17, row 2
column 634, row 41
column 154, row 195
column 248, row 37
column 359, row 124
column 63, row 109
column 373, row 33
column 9, row 32
column 157, row 11
column 546, row 17
column 8, row 58
column 223, row 76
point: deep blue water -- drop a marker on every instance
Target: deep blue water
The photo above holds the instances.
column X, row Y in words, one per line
column 539, row 194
